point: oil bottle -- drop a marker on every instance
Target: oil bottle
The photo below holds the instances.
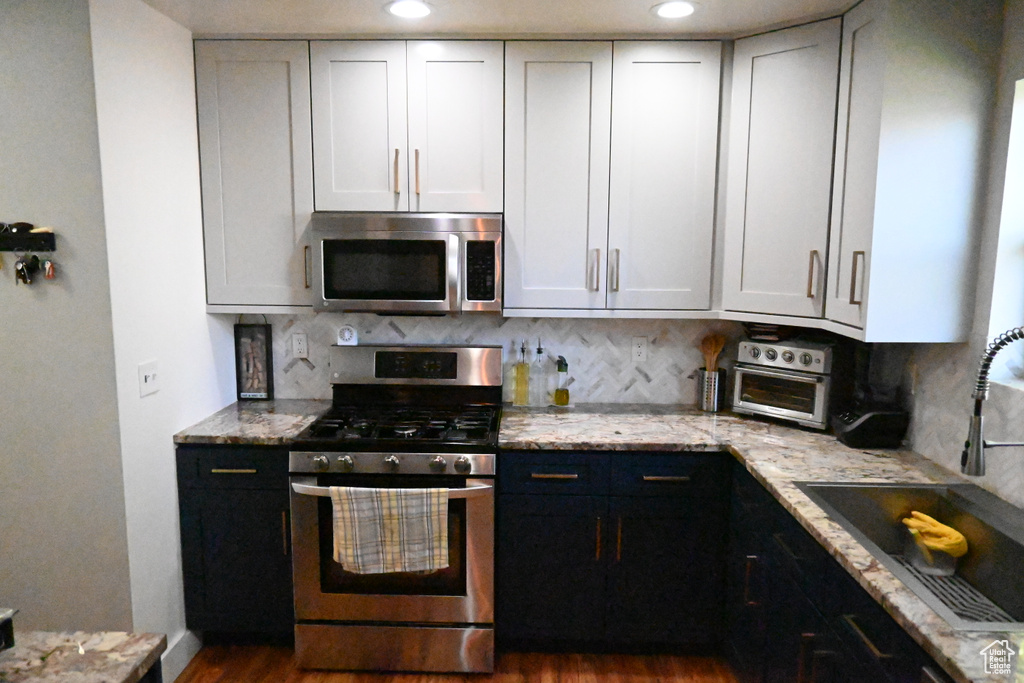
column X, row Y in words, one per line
column 562, row 392
column 521, row 379
column 540, row 395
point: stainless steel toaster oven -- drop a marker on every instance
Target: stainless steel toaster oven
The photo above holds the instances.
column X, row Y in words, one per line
column 790, row 381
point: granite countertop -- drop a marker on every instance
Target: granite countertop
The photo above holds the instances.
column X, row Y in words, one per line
column 777, row 456
column 80, row 657
column 263, row 423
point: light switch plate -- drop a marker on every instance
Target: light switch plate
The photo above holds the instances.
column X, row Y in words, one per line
column 149, row 378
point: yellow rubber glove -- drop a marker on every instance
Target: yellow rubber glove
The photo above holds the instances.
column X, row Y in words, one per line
column 936, row 535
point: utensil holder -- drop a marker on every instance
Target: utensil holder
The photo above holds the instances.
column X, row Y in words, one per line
column 711, row 389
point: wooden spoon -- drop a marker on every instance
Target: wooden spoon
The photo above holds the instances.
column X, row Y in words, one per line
column 711, row 346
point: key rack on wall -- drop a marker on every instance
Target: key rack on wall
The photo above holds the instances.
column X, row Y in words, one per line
column 24, row 239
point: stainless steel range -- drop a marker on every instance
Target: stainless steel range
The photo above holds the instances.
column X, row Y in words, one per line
column 402, row 417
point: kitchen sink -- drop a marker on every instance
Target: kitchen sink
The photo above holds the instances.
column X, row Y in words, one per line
column 987, row 591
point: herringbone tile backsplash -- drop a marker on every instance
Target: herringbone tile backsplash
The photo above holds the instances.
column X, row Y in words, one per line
column 598, row 351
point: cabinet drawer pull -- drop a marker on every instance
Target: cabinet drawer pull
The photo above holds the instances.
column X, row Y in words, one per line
column 872, row 648
column 416, row 156
column 396, row 190
column 618, row 542
column 597, row 543
column 594, row 270
column 305, row 265
column 853, row 279
column 233, row 471
column 544, row 475
column 284, row 532
column 657, row 477
column 810, row 274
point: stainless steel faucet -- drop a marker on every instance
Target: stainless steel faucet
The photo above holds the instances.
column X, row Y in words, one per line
column 972, row 460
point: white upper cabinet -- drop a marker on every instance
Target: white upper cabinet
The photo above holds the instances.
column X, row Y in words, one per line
column 557, row 130
column 914, row 102
column 779, row 173
column 257, row 185
column 411, row 126
column 665, row 100
column 609, row 191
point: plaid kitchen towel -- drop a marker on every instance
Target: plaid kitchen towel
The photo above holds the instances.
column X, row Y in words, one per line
column 377, row 531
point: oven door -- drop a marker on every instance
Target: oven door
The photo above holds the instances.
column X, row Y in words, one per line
column 797, row 396
column 388, row 271
column 462, row 593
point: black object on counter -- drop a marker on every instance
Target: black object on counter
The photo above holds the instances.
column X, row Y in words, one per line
column 871, row 428
column 6, row 628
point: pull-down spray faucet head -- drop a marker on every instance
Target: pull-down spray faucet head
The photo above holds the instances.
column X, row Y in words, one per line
column 972, row 460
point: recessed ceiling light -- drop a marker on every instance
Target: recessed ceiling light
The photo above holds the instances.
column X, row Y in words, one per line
column 409, row 9
column 675, row 9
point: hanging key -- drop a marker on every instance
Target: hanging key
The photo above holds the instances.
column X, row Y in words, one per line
column 49, row 271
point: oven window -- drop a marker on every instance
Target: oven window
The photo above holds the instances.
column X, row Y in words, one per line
column 448, row 581
column 402, row 270
column 790, row 394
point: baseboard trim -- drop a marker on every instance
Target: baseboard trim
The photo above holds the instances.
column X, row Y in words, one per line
column 179, row 653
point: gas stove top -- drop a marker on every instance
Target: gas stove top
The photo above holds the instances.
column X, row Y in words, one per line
column 389, row 426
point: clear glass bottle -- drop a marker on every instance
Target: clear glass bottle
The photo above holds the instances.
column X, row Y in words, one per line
column 521, row 379
column 562, row 391
column 540, row 395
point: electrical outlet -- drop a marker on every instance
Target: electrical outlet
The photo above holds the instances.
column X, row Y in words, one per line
column 638, row 350
column 300, row 345
column 149, row 379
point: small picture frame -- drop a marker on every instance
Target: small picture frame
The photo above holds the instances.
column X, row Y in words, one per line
column 254, row 362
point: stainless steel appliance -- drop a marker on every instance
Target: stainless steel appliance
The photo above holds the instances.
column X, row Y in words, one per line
column 790, row 380
column 407, row 262
column 408, row 417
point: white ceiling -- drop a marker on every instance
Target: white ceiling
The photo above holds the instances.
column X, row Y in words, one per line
column 480, row 18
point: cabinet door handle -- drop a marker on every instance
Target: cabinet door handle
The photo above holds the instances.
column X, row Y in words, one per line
column 802, row 668
column 657, row 477
column 416, row 163
column 871, row 647
column 552, row 475
column 613, row 266
column 810, row 274
column 748, row 572
column 593, row 271
column 928, row 675
column 396, row 190
column 233, row 471
column 853, row 279
column 284, row 532
column 305, row 265
column 618, row 542
column 597, row 543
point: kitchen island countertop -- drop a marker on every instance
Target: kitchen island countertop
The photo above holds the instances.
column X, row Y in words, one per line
column 82, row 657
column 256, row 423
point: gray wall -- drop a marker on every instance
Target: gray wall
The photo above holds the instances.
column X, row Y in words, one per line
column 63, row 547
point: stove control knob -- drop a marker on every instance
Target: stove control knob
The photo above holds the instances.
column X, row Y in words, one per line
column 392, row 462
column 771, row 354
column 321, row 463
column 345, row 463
column 463, row 465
column 438, row 464
column 788, row 356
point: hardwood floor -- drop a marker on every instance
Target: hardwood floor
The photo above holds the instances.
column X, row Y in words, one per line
column 273, row 664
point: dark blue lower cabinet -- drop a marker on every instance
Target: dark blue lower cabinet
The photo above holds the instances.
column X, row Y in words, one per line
column 599, row 570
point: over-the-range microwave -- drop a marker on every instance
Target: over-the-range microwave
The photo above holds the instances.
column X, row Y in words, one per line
column 407, row 262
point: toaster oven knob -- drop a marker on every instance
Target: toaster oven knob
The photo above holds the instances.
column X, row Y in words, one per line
column 392, row 462
column 805, row 358
column 771, row 354
column 755, row 352
column 321, row 463
column 345, row 463
column 788, row 356
column 463, row 465
column 438, row 464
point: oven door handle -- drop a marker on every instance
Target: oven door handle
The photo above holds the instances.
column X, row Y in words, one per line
column 325, row 491
column 794, row 375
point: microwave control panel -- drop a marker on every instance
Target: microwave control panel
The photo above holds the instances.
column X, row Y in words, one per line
column 804, row 356
column 481, row 267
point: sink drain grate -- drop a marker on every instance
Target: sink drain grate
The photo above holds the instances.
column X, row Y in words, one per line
column 960, row 597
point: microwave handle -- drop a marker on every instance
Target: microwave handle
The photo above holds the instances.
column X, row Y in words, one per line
column 454, row 274
column 809, row 379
